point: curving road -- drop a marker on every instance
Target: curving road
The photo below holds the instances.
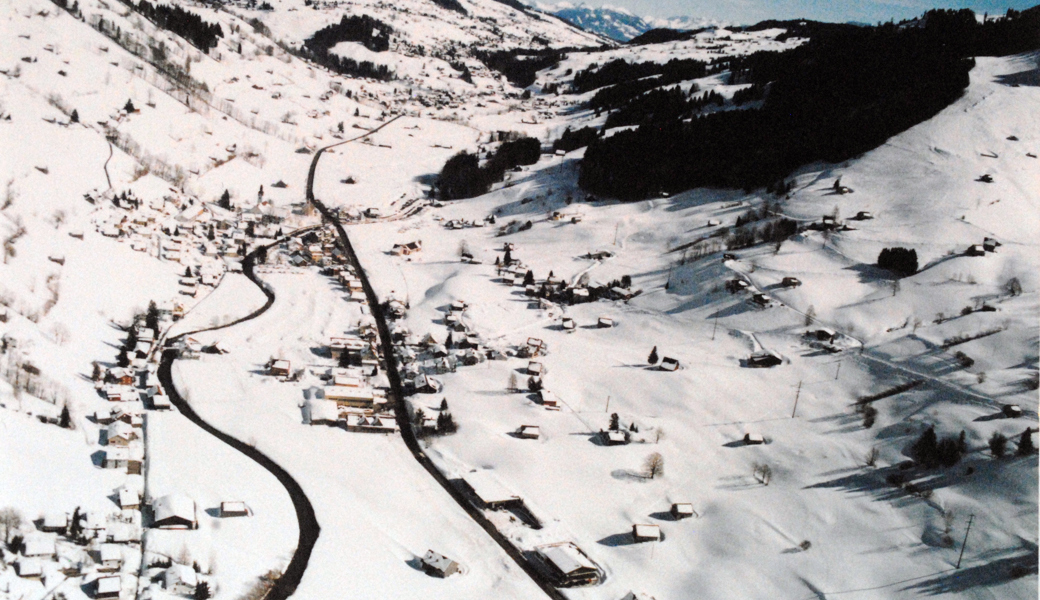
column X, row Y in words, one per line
column 396, row 390
column 308, row 523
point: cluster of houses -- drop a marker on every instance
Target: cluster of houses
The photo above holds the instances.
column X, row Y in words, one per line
column 988, row 245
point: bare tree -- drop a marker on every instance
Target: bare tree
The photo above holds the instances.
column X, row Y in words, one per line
column 762, row 473
column 810, row 315
column 512, row 382
column 10, row 521
column 870, row 459
column 653, row 466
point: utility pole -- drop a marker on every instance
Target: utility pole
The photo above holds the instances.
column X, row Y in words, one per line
column 839, row 370
column 713, row 329
column 796, row 395
column 608, row 405
column 965, row 542
column 616, row 227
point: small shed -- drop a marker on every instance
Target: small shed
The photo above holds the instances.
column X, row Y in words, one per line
column 605, row 322
column 108, row 587
column 280, row 368
column 528, row 432
column 489, row 491
column 646, row 533
column 864, row 215
column 535, row 368
column 438, row 565
column 116, row 457
column 754, row 439
column 568, row 564
column 669, row 364
column 762, row 299
column 129, row 498
column 234, row 509
column 990, row 245
column 790, row 282
column 614, row 438
column 569, row 324
column 681, row 510
column 180, row 579
column 1011, row 411
column 975, row 250
column 548, row 399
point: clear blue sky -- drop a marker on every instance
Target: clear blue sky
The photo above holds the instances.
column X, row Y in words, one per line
column 751, row 11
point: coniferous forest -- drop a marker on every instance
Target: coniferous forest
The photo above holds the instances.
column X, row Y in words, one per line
column 370, row 33
column 186, row 24
column 842, row 93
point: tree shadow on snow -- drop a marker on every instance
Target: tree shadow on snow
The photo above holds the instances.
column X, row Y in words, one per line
column 993, row 573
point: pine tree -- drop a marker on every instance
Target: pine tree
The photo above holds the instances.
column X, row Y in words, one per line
column 998, row 444
column 187, row 271
column 508, row 258
column 926, row 449
column 122, row 360
column 96, row 373
column 225, row 200
column 74, row 117
column 529, row 278
column 615, row 422
column 201, row 591
column 151, row 319
column 444, row 404
column 129, row 106
column 1025, row 444
column 653, row 356
column 65, row 420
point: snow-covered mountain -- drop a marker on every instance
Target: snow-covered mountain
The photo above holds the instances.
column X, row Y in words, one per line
column 619, row 23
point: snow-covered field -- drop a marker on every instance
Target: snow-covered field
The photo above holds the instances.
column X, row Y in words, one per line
column 825, row 524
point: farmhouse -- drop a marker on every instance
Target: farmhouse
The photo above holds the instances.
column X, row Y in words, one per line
column 119, row 433
column 425, row 385
column 352, row 396
column 129, row 498
column 175, row 511
column 646, row 533
column 681, row 510
column 116, row 457
column 568, row 565
column 234, row 509
column 490, row 493
column 528, row 432
column 613, row 438
column 438, row 565
column 351, row 346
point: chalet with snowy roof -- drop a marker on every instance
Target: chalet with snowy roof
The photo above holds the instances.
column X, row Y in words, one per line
column 160, row 401
column 975, row 250
column 535, row 368
column 120, row 433
column 352, row 346
column 763, row 300
column 382, row 423
column 438, row 565
column 180, row 579
column 529, row 432
column 681, row 510
column 790, row 282
column 489, row 492
column 1011, row 411
column 174, row 511
column 350, row 396
column 321, row 412
column 548, row 399
column 424, row 384
column 613, row 438
column 129, row 498
column 864, row 215
column 103, row 416
column 280, row 368
column 234, row 509
column 568, row 324
column 38, row 545
column 646, row 533
column 110, row 558
column 29, row 568
column 568, row 565
column 736, row 285
column 116, row 457
column 823, row 334
column 605, row 322
column 407, row 249
column 990, row 245
column 764, row 359
column 56, row 522
column 108, row 587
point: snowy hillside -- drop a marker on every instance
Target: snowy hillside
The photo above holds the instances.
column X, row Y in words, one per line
column 207, row 391
column 617, row 23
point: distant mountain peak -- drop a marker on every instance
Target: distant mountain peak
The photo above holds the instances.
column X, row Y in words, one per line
column 615, row 22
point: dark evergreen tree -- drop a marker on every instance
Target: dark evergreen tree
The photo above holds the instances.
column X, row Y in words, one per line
column 529, row 278
column 201, row 591
column 615, row 422
column 129, row 106
column 74, row 117
column 926, row 449
column 1025, row 444
column 225, row 200
column 444, row 404
column 898, row 260
column 653, row 356
column 151, row 318
column 65, row 420
column 998, row 444
column 122, row 359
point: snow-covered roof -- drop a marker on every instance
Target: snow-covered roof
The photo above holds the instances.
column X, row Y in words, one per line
column 174, row 505
column 38, row 544
column 109, row 585
column 56, row 520
column 111, row 552
column 489, row 488
column 647, row 531
column 322, row 410
column 183, row 574
column 129, row 496
column 437, row 561
column 29, row 567
column 566, row 558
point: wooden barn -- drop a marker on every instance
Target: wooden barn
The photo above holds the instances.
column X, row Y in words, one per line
column 175, row 511
column 568, row 565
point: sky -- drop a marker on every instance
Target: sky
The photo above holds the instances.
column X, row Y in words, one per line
column 751, row 11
